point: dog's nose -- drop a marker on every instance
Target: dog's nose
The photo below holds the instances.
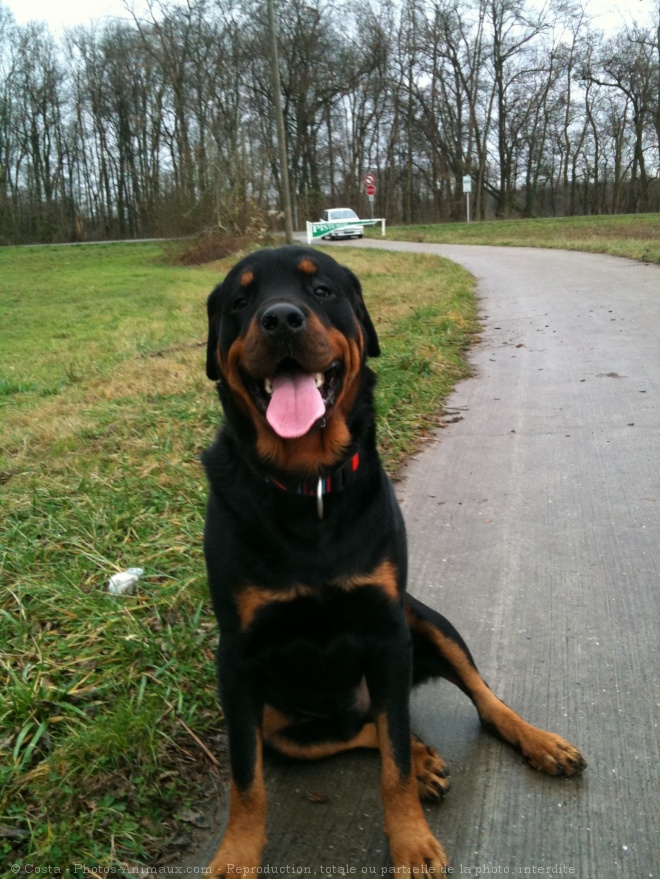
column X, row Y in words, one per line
column 282, row 317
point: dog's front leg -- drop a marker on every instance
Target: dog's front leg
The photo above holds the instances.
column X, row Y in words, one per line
column 245, row 835
column 412, row 845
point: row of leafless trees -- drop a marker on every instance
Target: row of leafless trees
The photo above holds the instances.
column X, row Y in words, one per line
column 164, row 125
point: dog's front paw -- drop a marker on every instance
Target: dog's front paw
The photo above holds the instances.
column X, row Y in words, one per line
column 237, row 857
column 418, row 853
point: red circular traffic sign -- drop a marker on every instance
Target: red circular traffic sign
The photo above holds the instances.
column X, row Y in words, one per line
column 370, row 189
column 369, row 179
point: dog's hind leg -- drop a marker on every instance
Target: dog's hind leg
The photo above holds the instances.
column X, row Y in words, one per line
column 439, row 651
column 316, row 739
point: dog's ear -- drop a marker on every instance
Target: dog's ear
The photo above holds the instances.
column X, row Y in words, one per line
column 371, row 337
column 212, row 308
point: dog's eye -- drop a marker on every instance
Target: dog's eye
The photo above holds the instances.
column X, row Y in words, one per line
column 322, row 292
column 239, row 304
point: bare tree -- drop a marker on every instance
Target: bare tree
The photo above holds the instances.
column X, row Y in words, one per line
column 164, row 124
column 628, row 66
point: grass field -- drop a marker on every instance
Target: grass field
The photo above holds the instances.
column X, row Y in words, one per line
column 108, row 714
column 636, row 235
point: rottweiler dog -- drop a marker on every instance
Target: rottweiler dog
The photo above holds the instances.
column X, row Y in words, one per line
column 306, row 554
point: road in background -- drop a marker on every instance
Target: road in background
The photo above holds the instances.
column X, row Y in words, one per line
column 533, row 525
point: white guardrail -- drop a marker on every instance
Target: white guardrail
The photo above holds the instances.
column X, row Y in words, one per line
column 319, row 230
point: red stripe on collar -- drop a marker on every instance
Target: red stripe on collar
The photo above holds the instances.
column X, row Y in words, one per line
column 331, row 484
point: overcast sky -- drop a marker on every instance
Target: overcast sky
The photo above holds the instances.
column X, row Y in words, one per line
column 65, row 13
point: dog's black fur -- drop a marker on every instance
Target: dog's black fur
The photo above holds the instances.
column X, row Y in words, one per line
column 319, row 642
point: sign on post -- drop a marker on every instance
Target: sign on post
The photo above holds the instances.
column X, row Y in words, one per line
column 370, row 189
column 467, row 189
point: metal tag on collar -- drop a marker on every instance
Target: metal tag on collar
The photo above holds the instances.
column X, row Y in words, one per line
column 319, row 498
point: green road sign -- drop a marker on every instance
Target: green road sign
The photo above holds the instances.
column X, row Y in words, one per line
column 318, row 230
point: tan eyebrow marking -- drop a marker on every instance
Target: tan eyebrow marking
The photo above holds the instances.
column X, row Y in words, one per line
column 308, row 266
column 247, row 277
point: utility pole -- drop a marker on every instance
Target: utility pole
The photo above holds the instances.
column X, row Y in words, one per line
column 279, row 118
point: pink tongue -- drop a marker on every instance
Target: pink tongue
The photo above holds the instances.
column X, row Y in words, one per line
column 294, row 405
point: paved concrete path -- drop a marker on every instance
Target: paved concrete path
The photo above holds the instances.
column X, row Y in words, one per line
column 534, row 526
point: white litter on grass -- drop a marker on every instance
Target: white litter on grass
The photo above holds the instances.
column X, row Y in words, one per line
column 124, row 582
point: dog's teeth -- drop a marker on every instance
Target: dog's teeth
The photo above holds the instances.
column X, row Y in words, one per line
column 318, row 378
column 268, row 385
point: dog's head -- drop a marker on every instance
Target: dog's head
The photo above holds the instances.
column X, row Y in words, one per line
column 289, row 334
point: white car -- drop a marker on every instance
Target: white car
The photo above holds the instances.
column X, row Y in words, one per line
column 347, row 231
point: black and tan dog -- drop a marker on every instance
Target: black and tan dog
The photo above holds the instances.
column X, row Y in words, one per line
column 306, row 554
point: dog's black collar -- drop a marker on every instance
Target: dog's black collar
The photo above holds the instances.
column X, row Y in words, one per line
column 334, row 482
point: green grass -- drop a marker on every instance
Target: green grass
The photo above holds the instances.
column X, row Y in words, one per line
column 636, row 236
column 77, row 308
column 108, row 715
